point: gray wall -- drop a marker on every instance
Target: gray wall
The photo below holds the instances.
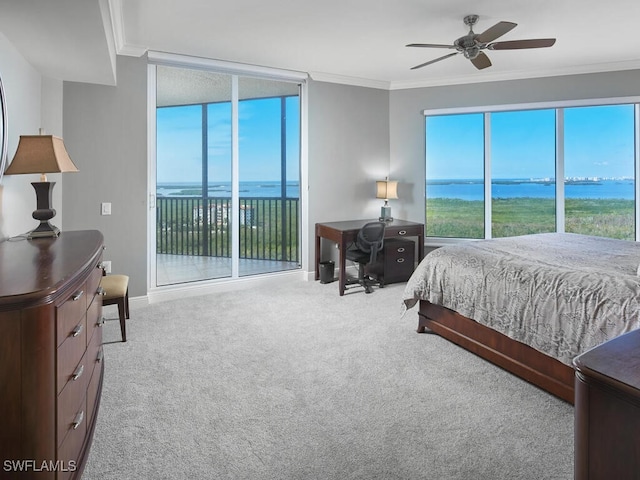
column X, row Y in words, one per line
column 105, row 131
column 33, row 102
column 348, row 152
column 356, row 135
column 407, row 142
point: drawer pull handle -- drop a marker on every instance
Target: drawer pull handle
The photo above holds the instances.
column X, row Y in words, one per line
column 400, row 260
column 402, row 232
column 76, row 331
column 100, row 322
column 401, row 249
column 101, row 291
column 78, row 373
column 100, row 356
column 78, row 295
column 78, row 420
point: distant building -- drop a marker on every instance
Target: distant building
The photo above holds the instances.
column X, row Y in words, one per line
column 219, row 215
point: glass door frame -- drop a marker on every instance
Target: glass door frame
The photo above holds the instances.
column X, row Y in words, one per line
column 235, row 70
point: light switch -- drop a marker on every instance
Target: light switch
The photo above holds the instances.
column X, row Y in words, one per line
column 105, row 208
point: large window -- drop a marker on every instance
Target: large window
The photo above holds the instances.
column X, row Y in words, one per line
column 455, row 176
column 523, row 154
column 517, row 156
column 599, row 170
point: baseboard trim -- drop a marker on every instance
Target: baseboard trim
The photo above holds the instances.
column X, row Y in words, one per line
column 174, row 292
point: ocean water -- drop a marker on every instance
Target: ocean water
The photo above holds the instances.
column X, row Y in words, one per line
column 462, row 189
column 268, row 189
column 474, row 189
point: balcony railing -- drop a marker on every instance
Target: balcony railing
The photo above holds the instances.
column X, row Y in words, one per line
column 202, row 227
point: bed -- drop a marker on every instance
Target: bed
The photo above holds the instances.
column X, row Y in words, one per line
column 531, row 303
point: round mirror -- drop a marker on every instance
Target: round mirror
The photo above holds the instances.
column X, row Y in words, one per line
column 3, row 132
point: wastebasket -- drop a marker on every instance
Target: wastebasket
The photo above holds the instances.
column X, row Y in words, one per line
column 326, row 271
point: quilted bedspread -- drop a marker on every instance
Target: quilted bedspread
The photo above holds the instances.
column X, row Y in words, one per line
column 559, row 293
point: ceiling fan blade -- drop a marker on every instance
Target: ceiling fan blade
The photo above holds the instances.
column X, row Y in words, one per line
column 430, row 45
column 481, row 61
column 499, row 29
column 434, row 61
column 518, row 44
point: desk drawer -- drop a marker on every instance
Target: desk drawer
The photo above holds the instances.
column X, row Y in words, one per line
column 399, row 257
column 406, row 231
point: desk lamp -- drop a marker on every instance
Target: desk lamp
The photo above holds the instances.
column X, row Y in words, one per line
column 41, row 154
column 388, row 190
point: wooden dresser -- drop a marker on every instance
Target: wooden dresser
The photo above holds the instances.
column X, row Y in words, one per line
column 607, row 410
column 51, row 364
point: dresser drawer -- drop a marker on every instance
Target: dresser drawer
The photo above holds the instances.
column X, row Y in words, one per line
column 94, row 282
column 70, row 353
column 94, row 349
column 69, row 451
column 94, row 384
column 94, row 318
column 72, row 396
column 69, row 314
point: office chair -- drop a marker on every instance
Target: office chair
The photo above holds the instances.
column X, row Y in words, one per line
column 364, row 251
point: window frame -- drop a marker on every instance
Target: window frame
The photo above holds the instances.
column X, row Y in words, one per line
column 559, row 107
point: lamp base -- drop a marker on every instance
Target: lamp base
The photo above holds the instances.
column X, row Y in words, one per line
column 44, row 230
column 385, row 214
column 44, row 212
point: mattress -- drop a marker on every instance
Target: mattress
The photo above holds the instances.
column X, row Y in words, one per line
column 559, row 293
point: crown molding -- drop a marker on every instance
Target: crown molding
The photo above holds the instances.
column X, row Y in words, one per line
column 519, row 75
column 346, row 80
column 117, row 24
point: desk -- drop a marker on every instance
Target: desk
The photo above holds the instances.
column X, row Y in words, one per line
column 344, row 233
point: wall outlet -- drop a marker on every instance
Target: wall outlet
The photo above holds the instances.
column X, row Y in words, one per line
column 106, row 264
column 105, row 208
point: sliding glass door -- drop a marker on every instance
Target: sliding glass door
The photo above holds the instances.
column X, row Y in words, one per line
column 227, row 175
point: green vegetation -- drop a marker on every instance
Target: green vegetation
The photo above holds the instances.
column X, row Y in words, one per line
column 524, row 215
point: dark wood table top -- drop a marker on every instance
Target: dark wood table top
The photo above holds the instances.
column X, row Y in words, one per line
column 616, row 362
column 38, row 267
column 358, row 224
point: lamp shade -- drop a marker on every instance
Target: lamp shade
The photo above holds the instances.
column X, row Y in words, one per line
column 386, row 189
column 40, row 154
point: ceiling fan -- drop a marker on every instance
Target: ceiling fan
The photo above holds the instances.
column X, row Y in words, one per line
column 472, row 44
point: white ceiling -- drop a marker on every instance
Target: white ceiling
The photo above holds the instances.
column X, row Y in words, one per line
column 349, row 41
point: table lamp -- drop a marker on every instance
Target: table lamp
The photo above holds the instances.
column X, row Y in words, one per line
column 388, row 190
column 41, row 154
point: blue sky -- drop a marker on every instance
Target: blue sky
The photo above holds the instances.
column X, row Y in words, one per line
column 179, row 141
column 599, row 142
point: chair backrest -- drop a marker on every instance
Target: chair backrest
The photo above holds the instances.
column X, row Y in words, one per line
column 371, row 239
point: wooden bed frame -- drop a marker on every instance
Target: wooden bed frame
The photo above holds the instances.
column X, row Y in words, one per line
column 541, row 370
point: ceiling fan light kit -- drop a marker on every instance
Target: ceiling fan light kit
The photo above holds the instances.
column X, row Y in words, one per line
column 472, row 44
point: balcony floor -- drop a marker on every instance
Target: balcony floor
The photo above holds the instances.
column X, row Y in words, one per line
column 174, row 269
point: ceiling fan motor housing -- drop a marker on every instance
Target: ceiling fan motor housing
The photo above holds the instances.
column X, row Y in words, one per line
column 468, row 46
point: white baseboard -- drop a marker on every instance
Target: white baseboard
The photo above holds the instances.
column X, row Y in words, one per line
column 174, row 292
